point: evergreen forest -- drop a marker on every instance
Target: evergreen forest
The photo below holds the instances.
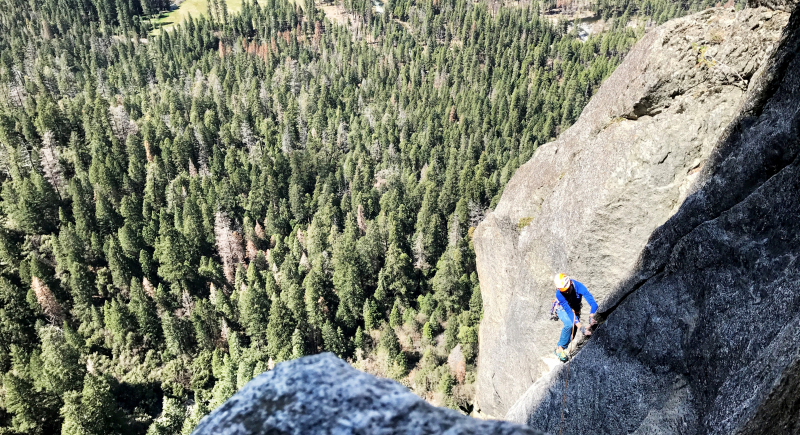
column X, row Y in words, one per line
column 181, row 210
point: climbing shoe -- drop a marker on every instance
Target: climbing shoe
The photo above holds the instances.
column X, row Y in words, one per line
column 562, row 355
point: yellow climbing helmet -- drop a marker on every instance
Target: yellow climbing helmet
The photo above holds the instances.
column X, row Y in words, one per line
column 562, row 281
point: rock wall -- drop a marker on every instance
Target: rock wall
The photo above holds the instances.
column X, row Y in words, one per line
column 708, row 340
column 322, row 394
column 587, row 203
column 778, row 5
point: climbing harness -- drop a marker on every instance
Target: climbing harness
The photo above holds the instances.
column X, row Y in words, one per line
column 553, row 310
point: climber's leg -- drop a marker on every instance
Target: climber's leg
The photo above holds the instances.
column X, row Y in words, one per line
column 566, row 335
column 566, row 332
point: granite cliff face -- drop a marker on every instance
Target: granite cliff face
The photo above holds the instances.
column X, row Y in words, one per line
column 708, row 340
column 587, row 203
column 700, row 292
column 322, row 394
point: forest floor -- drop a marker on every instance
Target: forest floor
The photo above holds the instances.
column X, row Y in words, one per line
column 337, row 14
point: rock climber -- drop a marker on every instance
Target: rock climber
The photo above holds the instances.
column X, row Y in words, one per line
column 567, row 306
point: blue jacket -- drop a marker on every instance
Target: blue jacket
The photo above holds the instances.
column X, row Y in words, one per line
column 581, row 292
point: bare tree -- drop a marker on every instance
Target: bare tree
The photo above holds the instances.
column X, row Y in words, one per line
column 50, row 306
column 229, row 244
column 212, row 294
column 457, row 363
column 5, row 160
column 50, row 163
column 252, row 251
column 259, row 231
column 420, row 257
column 476, row 214
column 148, row 288
column 224, row 329
column 249, row 139
column 147, row 151
column 286, row 142
column 360, row 219
column 24, row 156
column 455, row 231
column 121, row 124
column 187, row 305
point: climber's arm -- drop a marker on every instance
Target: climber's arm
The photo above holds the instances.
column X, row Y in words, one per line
column 580, row 288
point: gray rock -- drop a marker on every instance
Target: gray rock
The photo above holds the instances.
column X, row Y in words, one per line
column 709, row 341
column 322, row 394
column 588, row 203
column 779, row 5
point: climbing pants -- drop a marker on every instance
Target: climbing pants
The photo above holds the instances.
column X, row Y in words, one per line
column 566, row 333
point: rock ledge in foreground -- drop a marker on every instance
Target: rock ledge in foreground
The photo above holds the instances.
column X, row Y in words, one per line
column 322, row 394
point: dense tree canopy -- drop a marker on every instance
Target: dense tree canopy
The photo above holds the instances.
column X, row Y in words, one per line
column 183, row 209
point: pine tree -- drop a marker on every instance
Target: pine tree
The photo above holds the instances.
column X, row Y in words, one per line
column 298, row 344
column 347, row 276
column 394, row 317
column 117, row 262
column 144, row 309
column 61, row 368
column 171, row 419
column 316, row 305
column 359, row 339
column 334, row 339
column 254, row 305
column 174, row 265
column 177, row 334
column 450, row 284
column 371, row 315
column 93, row 411
column 279, row 331
column 33, row 411
column 427, row 332
column 389, row 342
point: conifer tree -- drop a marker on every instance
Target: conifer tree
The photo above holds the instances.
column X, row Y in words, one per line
column 92, row 411
column 171, row 419
column 347, row 276
column 61, row 369
column 254, row 303
column 144, row 309
column 279, row 331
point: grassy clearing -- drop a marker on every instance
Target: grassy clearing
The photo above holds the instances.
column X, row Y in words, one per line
column 195, row 8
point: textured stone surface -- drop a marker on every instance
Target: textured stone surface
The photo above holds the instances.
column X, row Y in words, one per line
column 594, row 196
column 322, row 394
column 707, row 337
column 781, row 5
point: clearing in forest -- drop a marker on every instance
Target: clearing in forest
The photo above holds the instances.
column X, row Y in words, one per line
column 195, row 8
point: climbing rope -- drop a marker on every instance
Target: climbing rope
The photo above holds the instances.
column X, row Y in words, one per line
column 564, row 396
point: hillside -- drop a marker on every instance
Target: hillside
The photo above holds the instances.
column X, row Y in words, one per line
column 182, row 211
column 684, row 346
